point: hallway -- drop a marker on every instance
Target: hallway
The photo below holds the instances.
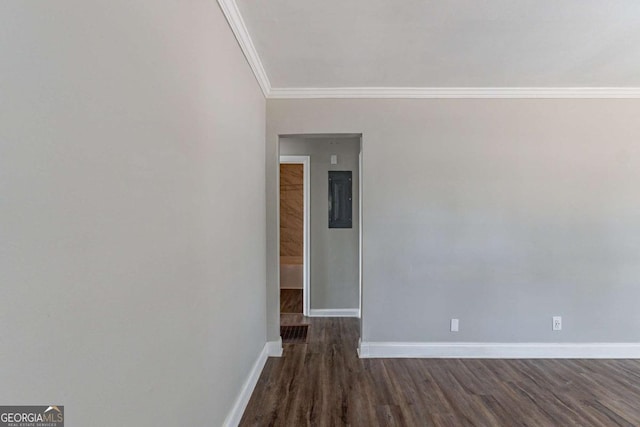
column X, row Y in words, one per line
column 324, row 383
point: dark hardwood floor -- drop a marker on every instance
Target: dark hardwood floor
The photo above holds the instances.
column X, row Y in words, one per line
column 323, row 383
column 290, row 300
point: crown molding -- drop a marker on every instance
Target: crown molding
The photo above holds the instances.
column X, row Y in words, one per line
column 456, row 92
column 232, row 13
column 234, row 18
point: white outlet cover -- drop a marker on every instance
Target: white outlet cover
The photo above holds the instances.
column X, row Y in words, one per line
column 557, row 323
column 455, row 325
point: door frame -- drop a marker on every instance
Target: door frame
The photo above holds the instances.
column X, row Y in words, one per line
column 306, row 234
column 360, row 234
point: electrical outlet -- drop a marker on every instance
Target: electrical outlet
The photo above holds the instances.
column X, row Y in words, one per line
column 455, row 325
column 557, row 323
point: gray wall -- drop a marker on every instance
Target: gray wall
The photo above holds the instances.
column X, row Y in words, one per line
column 502, row 213
column 334, row 252
column 124, row 254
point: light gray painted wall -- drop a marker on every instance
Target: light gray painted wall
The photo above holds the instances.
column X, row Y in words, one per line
column 502, row 213
column 334, row 252
column 124, row 253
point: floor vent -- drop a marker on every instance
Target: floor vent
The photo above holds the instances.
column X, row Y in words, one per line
column 294, row 334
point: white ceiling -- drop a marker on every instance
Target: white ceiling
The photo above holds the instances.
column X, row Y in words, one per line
column 438, row 43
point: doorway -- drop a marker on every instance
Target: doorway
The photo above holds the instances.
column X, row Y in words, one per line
column 294, row 234
column 333, row 252
column 332, row 263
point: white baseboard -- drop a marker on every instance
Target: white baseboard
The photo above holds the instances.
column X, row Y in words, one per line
column 334, row 312
column 270, row 349
column 274, row 348
column 470, row 350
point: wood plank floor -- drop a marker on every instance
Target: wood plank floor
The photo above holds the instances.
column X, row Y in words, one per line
column 323, row 383
column 290, row 300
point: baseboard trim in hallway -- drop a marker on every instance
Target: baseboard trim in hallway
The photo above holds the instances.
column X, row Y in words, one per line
column 270, row 349
column 462, row 350
column 334, row 312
